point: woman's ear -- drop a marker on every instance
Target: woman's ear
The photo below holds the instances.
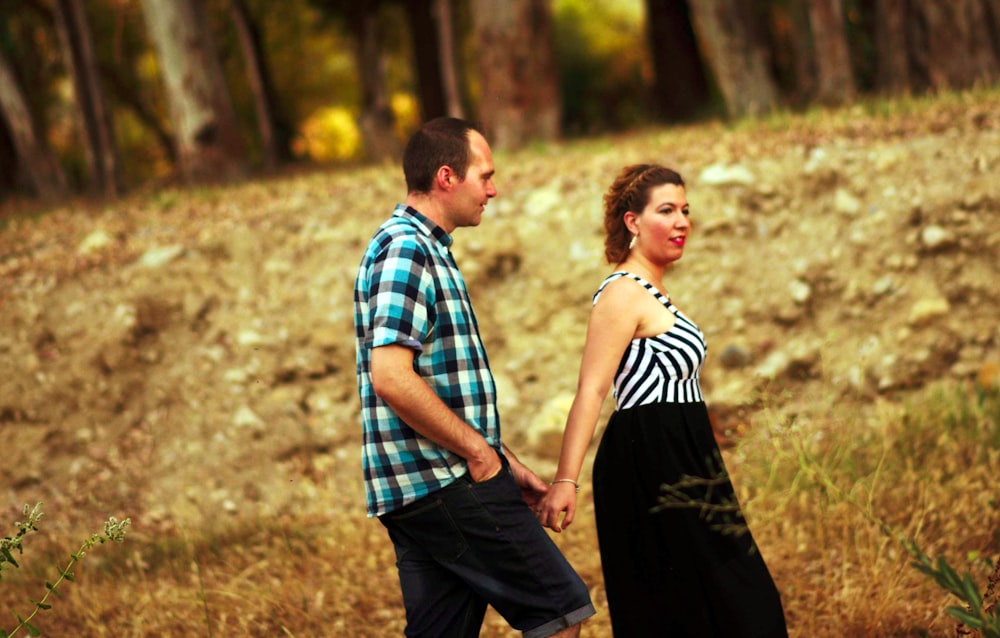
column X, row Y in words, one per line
column 631, row 222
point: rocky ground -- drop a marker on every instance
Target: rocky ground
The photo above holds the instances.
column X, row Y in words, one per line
column 183, row 356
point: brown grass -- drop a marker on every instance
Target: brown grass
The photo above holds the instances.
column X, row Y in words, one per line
column 816, row 495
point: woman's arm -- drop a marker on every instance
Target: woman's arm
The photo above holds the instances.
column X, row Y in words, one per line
column 612, row 325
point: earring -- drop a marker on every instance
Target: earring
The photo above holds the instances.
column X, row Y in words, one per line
column 631, row 244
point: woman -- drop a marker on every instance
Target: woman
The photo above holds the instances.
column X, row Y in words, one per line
column 691, row 568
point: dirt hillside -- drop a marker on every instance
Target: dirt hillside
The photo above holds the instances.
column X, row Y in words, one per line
column 183, row 353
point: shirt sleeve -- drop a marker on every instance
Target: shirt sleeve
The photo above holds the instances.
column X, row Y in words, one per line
column 401, row 295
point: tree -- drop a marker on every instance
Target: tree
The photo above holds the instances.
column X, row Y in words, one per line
column 435, row 61
column 34, row 156
column 274, row 131
column 450, row 86
column 952, row 45
column 427, row 58
column 206, row 133
column 680, row 83
column 835, row 81
column 519, row 96
column 377, row 120
column 731, row 42
column 93, row 107
column 892, row 59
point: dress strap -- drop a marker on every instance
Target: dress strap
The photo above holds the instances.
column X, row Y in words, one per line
column 665, row 300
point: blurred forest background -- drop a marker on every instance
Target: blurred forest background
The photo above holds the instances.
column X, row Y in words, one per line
column 101, row 97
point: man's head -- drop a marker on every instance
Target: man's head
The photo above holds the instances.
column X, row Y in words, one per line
column 443, row 141
column 449, row 172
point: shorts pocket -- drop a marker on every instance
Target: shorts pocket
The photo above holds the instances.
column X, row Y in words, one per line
column 431, row 528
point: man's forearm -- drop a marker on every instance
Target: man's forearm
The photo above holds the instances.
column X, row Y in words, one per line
column 415, row 402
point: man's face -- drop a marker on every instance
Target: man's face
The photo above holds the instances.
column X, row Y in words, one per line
column 471, row 195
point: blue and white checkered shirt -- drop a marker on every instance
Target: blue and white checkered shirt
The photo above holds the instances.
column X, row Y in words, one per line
column 409, row 291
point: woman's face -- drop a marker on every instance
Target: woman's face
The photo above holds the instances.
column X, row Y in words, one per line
column 663, row 225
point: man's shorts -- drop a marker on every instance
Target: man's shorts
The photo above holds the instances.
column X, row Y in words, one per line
column 470, row 545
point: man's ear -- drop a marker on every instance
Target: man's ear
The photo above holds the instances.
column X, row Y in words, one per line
column 445, row 178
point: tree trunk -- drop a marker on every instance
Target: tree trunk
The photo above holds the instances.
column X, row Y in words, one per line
column 892, row 65
column 519, row 96
column 731, row 44
column 95, row 113
column 953, row 47
column 426, row 58
column 833, row 60
column 680, row 84
column 804, row 54
column 274, row 142
column 984, row 40
column 206, row 132
column 447, row 58
column 35, row 159
column 125, row 93
column 377, row 121
column 991, row 9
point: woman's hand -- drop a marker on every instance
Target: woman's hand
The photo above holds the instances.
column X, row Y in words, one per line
column 561, row 499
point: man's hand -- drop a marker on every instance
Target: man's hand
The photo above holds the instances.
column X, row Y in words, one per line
column 485, row 466
column 532, row 487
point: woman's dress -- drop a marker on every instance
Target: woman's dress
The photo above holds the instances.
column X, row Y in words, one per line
column 688, row 570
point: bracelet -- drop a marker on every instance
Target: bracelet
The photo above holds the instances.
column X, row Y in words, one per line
column 575, row 484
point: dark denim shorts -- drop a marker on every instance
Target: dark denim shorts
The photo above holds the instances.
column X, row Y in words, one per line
column 470, row 545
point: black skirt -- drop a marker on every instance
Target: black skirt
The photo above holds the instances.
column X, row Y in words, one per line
column 690, row 569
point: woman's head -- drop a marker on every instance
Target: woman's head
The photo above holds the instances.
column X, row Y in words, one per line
column 630, row 192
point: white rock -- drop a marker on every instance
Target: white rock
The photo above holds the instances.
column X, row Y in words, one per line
column 800, row 291
column 93, row 242
column 245, row 417
column 725, row 175
column 936, row 237
column 927, row 310
column 845, row 203
column 161, row 255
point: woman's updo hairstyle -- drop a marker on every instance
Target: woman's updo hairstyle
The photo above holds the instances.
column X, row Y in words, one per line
column 630, row 192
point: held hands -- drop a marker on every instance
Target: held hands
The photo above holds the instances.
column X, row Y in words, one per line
column 532, row 487
column 560, row 499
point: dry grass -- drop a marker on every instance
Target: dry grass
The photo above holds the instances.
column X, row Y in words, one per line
column 816, row 495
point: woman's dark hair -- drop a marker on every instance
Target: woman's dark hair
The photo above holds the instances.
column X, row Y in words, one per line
column 630, row 192
column 443, row 141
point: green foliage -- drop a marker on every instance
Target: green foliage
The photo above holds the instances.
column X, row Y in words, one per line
column 114, row 530
column 977, row 615
column 604, row 70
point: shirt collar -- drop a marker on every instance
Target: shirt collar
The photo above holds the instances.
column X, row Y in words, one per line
column 423, row 224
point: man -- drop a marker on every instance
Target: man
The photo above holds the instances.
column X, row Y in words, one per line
column 456, row 502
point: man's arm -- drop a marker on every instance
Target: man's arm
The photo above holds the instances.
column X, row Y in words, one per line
column 409, row 396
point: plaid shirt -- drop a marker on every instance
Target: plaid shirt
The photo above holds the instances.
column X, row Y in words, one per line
column 409, row 291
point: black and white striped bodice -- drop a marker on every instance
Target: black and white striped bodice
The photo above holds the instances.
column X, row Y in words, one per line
column 663, row 368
